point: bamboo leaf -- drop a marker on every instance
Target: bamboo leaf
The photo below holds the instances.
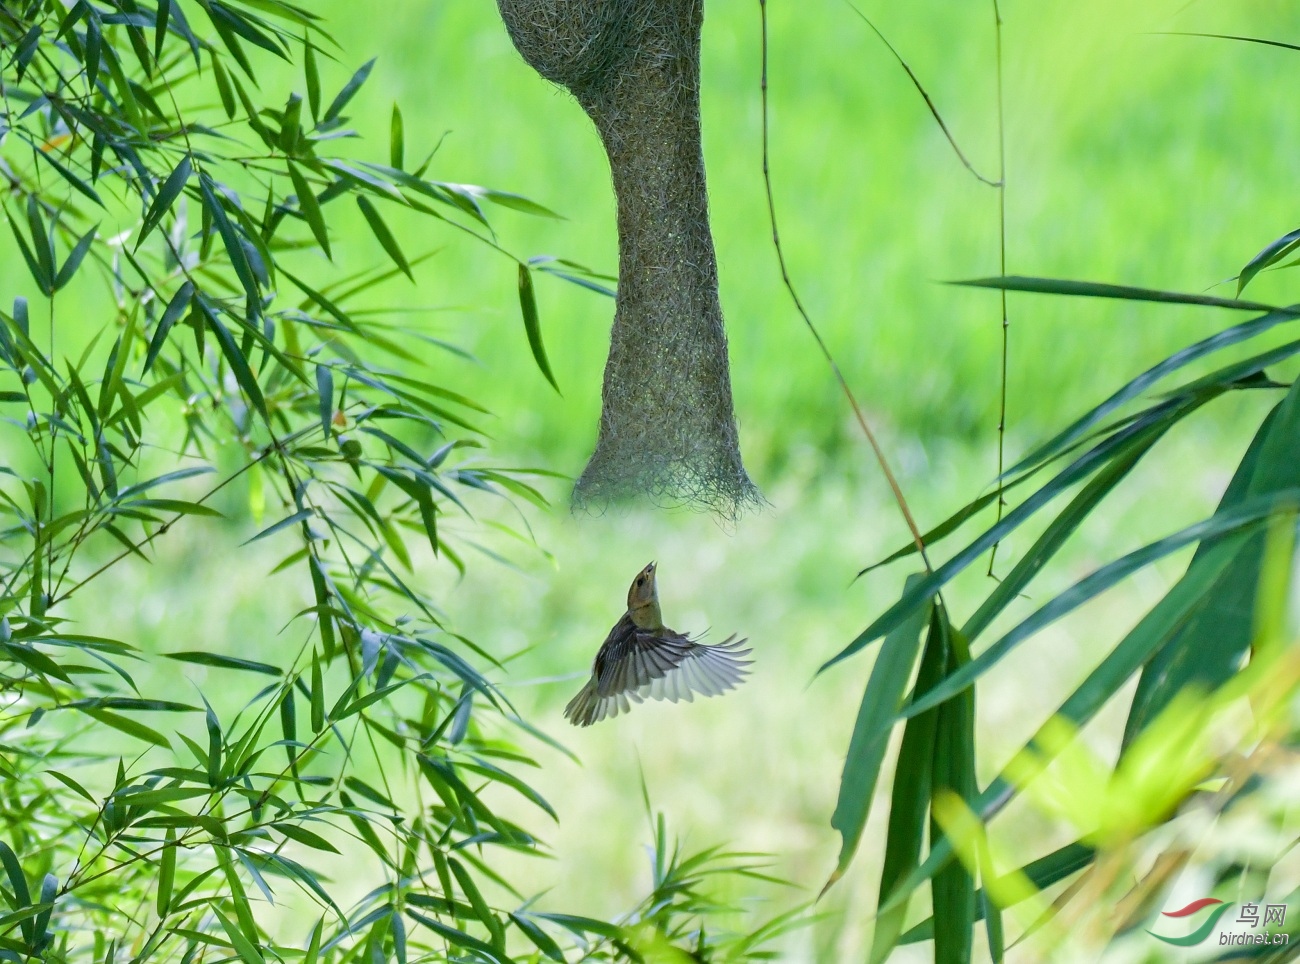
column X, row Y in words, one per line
column 310, row 208
column 876, row 717
column 1092, row 289
column 383, row 235
column 348, row 92
column 166, row 197
column 533, row 324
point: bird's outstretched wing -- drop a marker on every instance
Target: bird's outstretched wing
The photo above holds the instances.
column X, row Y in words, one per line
column 634, row 665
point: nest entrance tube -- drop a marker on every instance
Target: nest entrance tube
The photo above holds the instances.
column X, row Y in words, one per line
column 667, row 426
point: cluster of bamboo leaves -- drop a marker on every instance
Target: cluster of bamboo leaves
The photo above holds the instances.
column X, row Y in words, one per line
column 1186, row 651
column 143, row 165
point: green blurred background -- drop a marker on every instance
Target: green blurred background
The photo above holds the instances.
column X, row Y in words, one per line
column 1132, row 156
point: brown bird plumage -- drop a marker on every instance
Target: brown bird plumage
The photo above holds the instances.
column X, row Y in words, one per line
column 642, row 657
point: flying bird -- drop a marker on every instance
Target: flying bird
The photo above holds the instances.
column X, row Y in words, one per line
column 642, row 657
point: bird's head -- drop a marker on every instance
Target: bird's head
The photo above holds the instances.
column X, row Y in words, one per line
column 643, row 599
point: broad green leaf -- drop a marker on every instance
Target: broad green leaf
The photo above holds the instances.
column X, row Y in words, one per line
column 18, row 884
column 876, row 716
column 909, row 805
column 953, row 886
column 1208, row 647
column 1041, row 873
column 225, row 662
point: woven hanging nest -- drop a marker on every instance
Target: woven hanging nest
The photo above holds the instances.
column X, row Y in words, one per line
column 667, row 427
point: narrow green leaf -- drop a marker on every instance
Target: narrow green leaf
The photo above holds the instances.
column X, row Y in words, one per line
column 909, row 805
column 160, row 27
column 49, row 891
column 310, row 208
column 481, row 909
column 396, row 139
column 289, row 125
column 1250, row 513
column 325, row 397
column 177, row 307
column 458, row 938
column 244, row 947
column 238, row 363
column 312, row 75
column 1091, row 289
column 313, row 946
column 533, row 324
column 541, row 940
column 75, row 257
column 225, row 662
column 18, row 884
column 953, row 887
column 74, row 786
column 383, row 235
column 224, row 89
column 165, row 198
column 1056, row 534
column 244, row 25
column 1271, row 254
column 230, row 238
column 317, row 695
column 166, row 874
column 300, row 516
column 43, row 279
column 1042, row 873
column 128, row 726
column 348, row 92
column 304, row 836
column 67, row 175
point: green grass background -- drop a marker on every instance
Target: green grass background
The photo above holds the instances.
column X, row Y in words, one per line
column 1132, row 156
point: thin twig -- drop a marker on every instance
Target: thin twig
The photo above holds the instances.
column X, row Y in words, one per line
column 934, row 111
column 798, row 304
column 1002, row 261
